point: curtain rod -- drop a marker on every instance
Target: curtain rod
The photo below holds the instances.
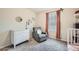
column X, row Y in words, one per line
column 61, row 9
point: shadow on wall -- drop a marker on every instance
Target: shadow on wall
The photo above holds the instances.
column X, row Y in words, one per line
column 5, row 39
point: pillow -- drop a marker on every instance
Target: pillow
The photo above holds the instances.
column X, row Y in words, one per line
column 39, row 31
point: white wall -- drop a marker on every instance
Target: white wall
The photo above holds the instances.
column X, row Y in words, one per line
column 67, row 20
column 8, row 22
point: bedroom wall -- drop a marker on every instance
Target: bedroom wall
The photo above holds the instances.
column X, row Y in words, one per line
column 7, row 22
column 67, row 20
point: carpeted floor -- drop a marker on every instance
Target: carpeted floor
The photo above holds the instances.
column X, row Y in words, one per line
column 49, row 45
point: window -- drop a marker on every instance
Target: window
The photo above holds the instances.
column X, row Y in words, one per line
column 52, row 22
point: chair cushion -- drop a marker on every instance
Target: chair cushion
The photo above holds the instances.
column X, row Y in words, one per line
column 42, row 35
column 39, row 31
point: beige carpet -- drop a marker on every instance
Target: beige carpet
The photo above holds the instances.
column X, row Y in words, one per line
column 49, row 45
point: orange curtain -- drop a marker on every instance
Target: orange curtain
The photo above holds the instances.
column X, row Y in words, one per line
column 47, row 23
column 58, row 25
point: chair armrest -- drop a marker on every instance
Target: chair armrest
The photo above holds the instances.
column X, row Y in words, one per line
column 44, row 33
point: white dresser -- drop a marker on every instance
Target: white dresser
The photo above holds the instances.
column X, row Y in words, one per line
column 19, row 36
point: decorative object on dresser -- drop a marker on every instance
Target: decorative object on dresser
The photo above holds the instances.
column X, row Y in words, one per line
column 19, row 36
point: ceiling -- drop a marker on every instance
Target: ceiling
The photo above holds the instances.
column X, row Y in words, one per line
column 37, row 10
